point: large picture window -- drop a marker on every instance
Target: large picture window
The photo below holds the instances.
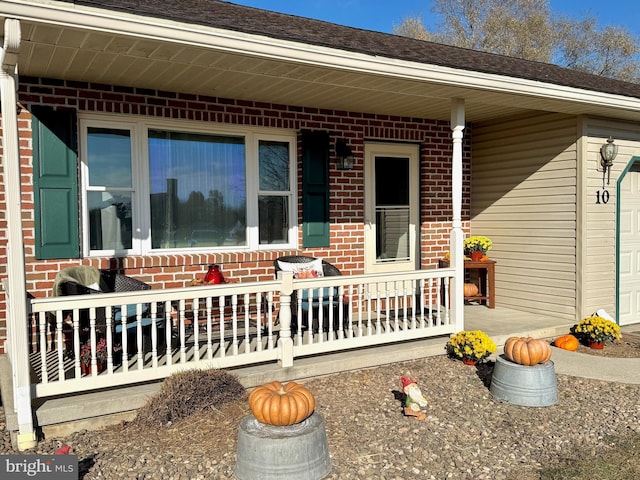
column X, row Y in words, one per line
column 152, row 187
column 198, row 190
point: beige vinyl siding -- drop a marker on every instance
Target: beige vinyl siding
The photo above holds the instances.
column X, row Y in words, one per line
column 597, row 225
column 523, row 196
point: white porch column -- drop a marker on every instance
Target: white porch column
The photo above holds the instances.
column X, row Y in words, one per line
column 16, row 297
column 457, row 235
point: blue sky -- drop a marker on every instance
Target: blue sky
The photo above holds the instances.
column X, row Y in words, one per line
column 381, row 15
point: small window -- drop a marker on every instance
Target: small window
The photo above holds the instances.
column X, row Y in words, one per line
column 109, row 189
column 274, row 196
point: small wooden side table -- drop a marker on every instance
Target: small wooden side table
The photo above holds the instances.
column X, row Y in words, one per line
column 486, row 276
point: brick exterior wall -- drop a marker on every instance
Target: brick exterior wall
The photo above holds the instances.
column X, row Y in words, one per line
column 346, row 187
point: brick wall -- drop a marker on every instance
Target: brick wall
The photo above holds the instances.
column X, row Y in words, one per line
column 346, row 187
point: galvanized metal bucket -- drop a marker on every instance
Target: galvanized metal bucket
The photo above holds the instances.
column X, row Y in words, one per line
column 296, row 452
column 529, row 386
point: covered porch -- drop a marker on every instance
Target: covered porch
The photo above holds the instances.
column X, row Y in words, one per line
column 58, row 416
column 234, row 70
column 88, row 342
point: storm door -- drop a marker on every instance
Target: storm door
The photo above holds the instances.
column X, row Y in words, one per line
column 391, row 207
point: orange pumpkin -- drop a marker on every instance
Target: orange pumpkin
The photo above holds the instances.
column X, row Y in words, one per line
column 567, row 342
column 527, row 350
column 470, row 290
column 277, row 404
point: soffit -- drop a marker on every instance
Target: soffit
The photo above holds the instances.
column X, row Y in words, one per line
column 63, row 52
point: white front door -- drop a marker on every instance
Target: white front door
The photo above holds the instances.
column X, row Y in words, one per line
column 629, row 251
column 391, row 207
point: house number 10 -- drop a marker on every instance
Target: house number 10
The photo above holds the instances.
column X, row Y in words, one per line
column 602, row 197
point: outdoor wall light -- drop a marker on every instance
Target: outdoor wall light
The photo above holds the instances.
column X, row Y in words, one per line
column 608, row 152
column 345, row 156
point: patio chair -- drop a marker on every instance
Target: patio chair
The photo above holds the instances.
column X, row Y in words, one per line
column 87, row 280
column 328, row 301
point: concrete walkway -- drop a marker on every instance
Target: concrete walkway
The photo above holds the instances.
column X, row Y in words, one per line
column 501, row 323
column 609, row 369
column 624, row 370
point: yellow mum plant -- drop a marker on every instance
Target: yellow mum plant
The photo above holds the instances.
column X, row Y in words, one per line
column 597, row 329
column 474, row 345
column 477, row 243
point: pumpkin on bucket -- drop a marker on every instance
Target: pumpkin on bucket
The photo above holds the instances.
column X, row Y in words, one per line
column 281, row 405
column 527, row 350
column 284, row 438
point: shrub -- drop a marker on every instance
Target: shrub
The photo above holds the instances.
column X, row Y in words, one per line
column 477, row 243
column 475, row 345
column 596, row 329
column 188, row 392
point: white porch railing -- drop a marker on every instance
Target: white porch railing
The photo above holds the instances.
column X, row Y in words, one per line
column 228, row 325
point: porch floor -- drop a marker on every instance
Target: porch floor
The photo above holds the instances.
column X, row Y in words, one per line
column 61, row 416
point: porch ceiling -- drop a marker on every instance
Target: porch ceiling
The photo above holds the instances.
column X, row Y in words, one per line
column 72, row 53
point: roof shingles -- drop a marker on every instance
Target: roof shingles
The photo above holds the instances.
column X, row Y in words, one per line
column 229, row 16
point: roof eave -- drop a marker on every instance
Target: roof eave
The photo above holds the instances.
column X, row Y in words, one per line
column 100, row 20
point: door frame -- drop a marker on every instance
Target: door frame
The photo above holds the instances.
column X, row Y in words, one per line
column 400, row 150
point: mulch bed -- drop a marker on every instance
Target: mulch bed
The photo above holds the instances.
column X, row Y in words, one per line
column 627, row 347
column 467, row 434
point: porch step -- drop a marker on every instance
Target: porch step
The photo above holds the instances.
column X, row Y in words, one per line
column 58, row 417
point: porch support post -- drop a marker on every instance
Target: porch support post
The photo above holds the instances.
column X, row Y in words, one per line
column 16, row 295
column 457, row 235
column 285, row 342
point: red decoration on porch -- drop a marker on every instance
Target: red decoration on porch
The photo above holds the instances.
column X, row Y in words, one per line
column 214, row 275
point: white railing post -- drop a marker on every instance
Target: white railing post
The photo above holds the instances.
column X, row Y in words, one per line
column 285, row 342
column 457, row 235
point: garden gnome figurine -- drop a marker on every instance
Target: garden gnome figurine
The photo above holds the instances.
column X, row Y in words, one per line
column 415, row 403
column 64, row 450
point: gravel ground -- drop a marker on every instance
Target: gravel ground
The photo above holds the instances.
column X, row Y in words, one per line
column 467, row 434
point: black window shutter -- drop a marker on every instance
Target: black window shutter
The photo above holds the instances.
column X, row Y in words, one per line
column 315, row 189
column 55, row 183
